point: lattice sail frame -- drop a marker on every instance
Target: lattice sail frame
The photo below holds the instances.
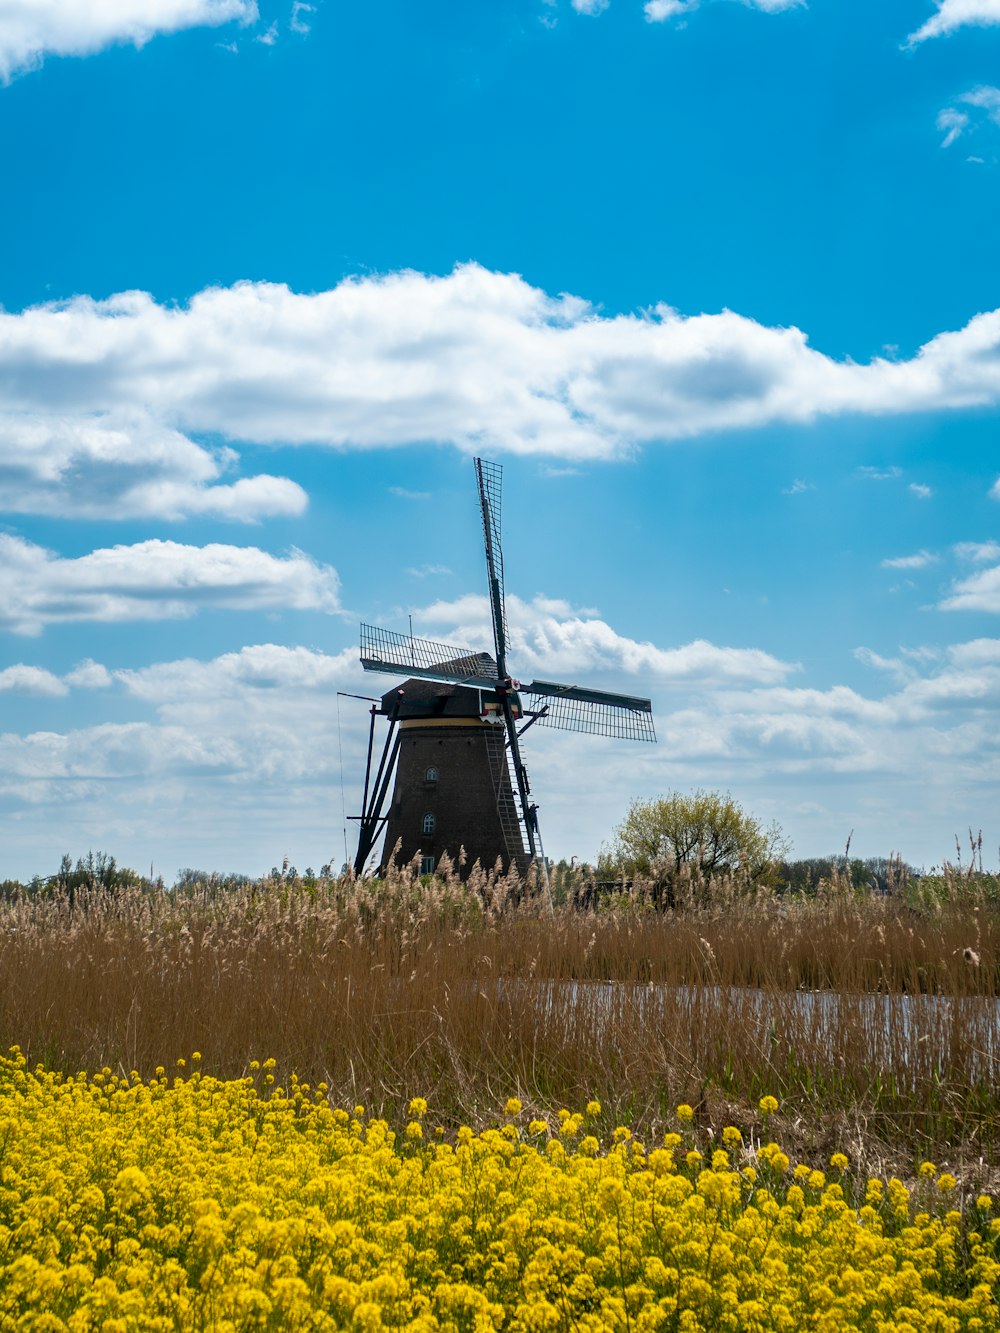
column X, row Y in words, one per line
column 402, row 654
column 490, row 479
column 619, row 721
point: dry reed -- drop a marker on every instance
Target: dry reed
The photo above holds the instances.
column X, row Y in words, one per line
column 868, row 1020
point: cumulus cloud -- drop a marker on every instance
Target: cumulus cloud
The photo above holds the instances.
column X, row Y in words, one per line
column 126, row 465
column 22, row 679
column 153, row 580
column 479, row 359
column 89, row 675
column 954, row 14
column 551, row 639
column 977, row 592
column 33, row 29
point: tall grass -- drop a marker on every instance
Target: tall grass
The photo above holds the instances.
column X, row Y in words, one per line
column 870, row 1021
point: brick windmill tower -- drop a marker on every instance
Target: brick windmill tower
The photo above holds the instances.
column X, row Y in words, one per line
column 454, row 730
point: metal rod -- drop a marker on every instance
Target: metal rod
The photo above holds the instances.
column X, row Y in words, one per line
column 519, row 771
column 534, row 718
column 368, row 765
column 369, row 820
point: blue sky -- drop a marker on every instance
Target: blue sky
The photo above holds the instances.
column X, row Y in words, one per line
column 715, row 281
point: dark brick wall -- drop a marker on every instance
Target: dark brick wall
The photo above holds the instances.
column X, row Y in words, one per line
column 462, row 800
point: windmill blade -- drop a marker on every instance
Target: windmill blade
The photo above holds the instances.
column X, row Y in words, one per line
column 490, row 480
column 594, row 712
column 404, row 655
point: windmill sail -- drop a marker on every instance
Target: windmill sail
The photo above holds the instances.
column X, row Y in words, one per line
column 402, row 654
column 490, row 479
column 594, row 712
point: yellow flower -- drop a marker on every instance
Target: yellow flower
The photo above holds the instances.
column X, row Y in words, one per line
column 768, row 1104
column 418, row 1107
column 928, row 1170
column 513, row 1106
column 839, row 1162
column 594, row 1107
column 946, row 1182
column 414, row 1130
column 731, row 1136
column 984, row 1201
column 685, row 1113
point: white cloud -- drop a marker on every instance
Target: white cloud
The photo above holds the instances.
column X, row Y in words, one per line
column 921, row 491
column 427, row 571
column 22, row 679
column 919, row 561
column 798, row 487
column 89, row 675
column 951, row 122
column 953, row 14
column 551, row 639
column 590, row 6
column 880, row 473
column 479, row 359
column 977, row 592
column 957, row 122
column 895, row 666
column 978, row 552
column 658, row 11
column 127, row 466
column 25, row 679
column 33, row 29
column 297, row 22
column 153, row 580
column 269, row 37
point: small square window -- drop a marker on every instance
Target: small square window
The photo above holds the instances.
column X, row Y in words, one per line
column 427, row 865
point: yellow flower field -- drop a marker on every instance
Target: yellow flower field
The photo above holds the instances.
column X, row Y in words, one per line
column 187, row 1202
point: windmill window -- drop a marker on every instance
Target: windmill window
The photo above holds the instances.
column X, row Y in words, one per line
column 427, row 865
column 430, row 823
column 431, row 775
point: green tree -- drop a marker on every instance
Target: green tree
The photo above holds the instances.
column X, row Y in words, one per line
column 704, row 829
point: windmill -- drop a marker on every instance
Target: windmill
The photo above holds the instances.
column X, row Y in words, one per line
column 455, row 728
